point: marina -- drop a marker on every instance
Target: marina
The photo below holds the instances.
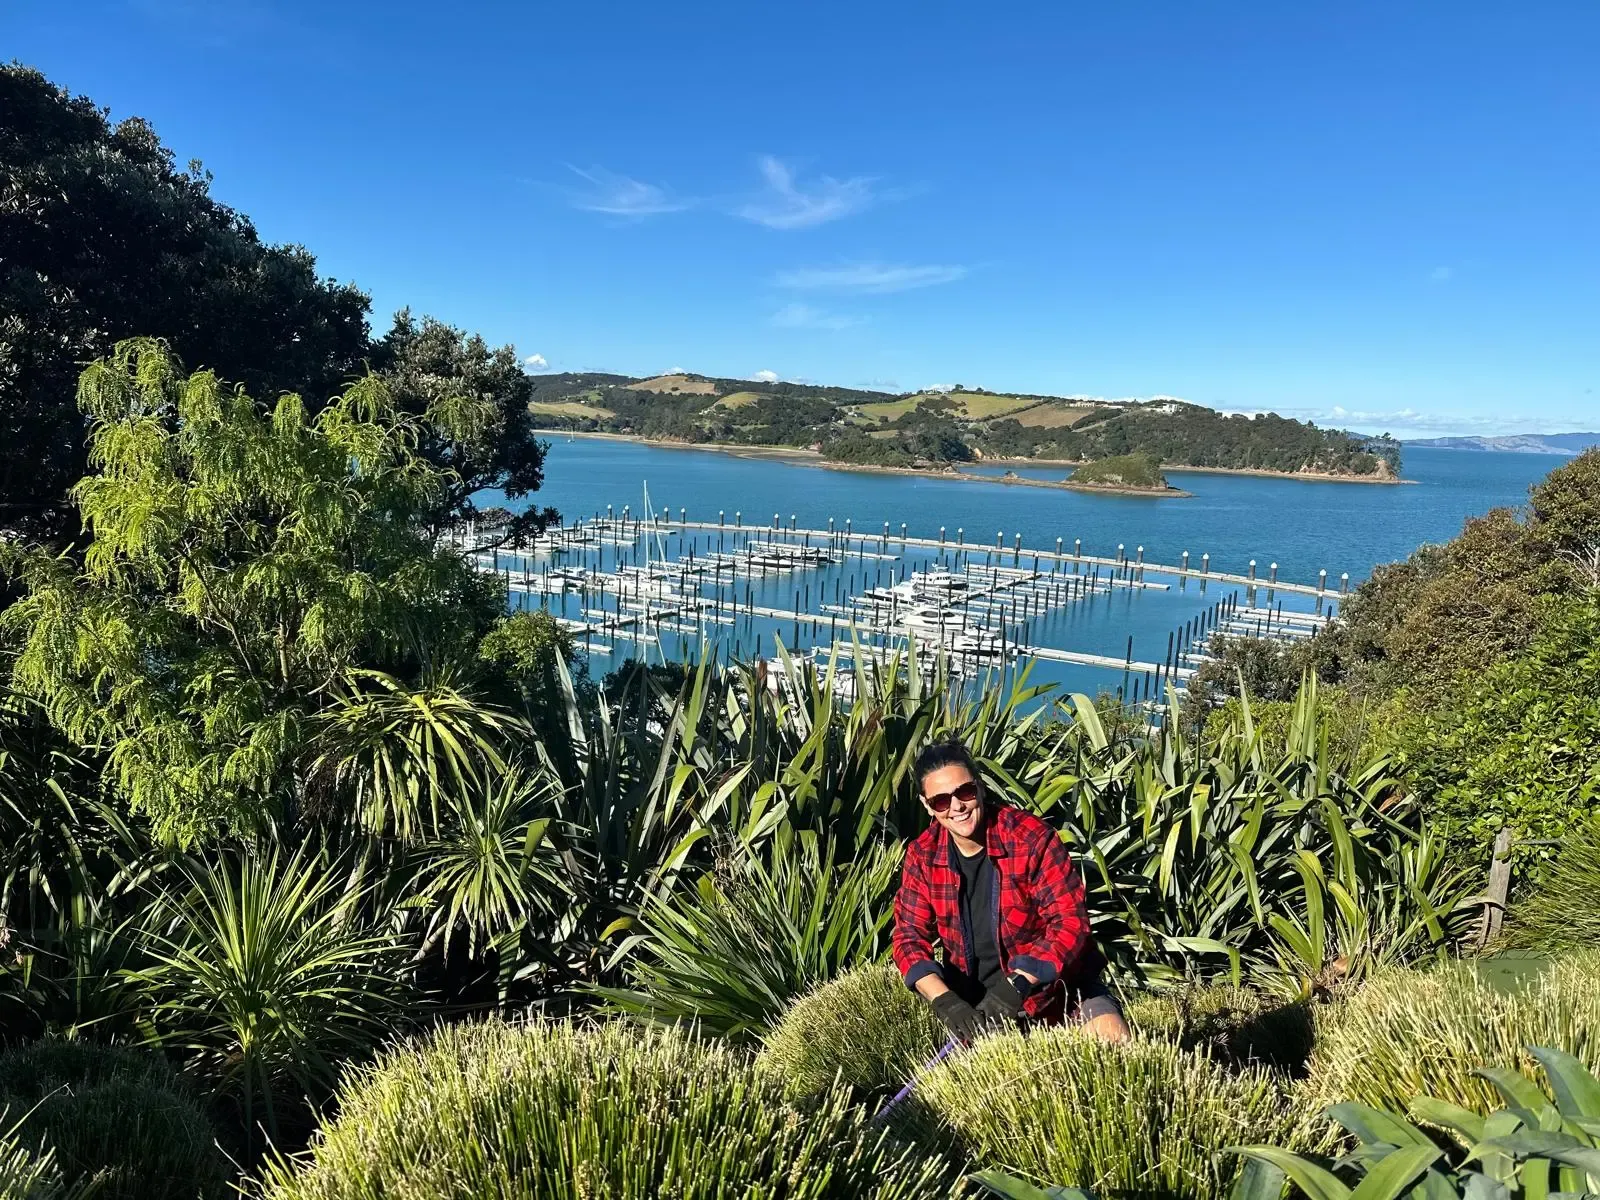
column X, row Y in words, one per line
column 662, row 586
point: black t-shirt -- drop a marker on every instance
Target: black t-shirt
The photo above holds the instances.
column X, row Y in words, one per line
column 977, row 905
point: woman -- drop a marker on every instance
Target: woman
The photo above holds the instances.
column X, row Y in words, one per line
column 997, row 890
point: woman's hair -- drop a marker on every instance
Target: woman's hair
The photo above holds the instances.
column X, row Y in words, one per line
column 937, row 755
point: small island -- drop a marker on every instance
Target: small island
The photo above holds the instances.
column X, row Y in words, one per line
column 1124, row 475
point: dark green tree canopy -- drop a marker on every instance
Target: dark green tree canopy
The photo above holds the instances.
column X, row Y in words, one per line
column 429, row 364
column 103, row 237
column 1451, row 610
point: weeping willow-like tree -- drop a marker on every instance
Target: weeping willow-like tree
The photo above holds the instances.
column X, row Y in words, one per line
column 259, row 604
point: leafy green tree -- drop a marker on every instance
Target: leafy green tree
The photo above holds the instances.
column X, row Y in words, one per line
column 1451, row 610
column 249, row 574
column 1521, row 745
column 429, row 366
column 103, row 237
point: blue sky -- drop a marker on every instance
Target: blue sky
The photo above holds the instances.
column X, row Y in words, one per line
column 1378, row 215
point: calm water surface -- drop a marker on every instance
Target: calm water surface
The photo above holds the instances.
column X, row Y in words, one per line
column 1303, row 526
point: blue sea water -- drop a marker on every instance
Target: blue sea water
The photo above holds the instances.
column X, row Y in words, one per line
column 1303, row 526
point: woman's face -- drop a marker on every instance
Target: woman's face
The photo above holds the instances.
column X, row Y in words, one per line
column 959, row 795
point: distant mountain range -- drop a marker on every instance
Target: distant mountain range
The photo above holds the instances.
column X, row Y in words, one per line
column 1521, row 443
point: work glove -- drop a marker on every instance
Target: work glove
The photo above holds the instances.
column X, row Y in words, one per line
column 959, row 1017
column 1002, row 1004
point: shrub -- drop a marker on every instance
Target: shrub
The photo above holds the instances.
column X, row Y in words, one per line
column 1534, row 1142
column 559, row 1112
column 865, row 1028
column 1562, row 911
column 1411, row 1033
column 118, row 1118
column 27, row 1173
column 269, row 981
column 1237, row 1026
column 1519, row 745
column 1141, row 1119
column 730, row 952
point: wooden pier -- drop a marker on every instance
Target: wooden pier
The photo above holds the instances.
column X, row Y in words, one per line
column 978, row 603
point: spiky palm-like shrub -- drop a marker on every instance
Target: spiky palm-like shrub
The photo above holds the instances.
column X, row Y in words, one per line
column 865, row 1028
column 1414, row 1033
column 268, row 977
column 558, row 1112
column 1143, row 1119
column 115, row 1118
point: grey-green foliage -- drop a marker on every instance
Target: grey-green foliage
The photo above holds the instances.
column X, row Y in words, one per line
column 559, row 1112
column 1414, row 1033
column 27, row 1173
column 1562, row 910
column 732, row 950
column 1233, row 1024
column 117, row 1119
column 865, row 1028
column 1060, row 1107
column 1534, row 1146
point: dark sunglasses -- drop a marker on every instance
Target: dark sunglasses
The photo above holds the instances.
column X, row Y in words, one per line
column 966, row 793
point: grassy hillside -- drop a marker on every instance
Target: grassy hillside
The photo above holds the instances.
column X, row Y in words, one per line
column 936, row 428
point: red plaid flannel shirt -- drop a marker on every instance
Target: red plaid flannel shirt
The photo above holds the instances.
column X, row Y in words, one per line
column 1042, row 923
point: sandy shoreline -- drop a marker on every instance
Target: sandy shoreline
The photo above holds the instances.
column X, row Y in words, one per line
column 813, row 458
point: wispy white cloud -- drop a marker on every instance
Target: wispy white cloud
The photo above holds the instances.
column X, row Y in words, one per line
column 791, row 203
column 1442, row 274
column 619, row 196
column 536, row 362
column 804, row 316
column 1409, row 421
column 765, row 377
column 869, row 277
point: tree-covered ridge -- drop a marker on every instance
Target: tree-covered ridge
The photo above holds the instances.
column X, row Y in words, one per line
column 103, row 238
column 934, row 429
column 1121, row 471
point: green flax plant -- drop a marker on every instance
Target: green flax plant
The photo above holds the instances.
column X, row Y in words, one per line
column 267, row 977
column 1302, row 866
column 731, row 951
